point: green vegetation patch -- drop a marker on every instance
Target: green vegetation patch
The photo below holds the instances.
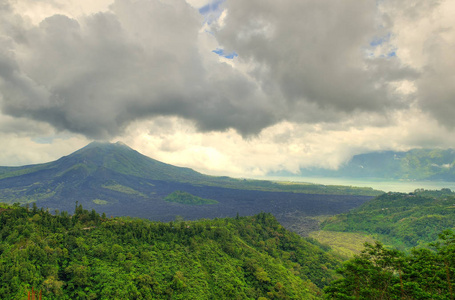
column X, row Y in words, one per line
column 123, row 189
column 7, row 172
column 10, row 196
column 88, row 256
column 186, row 198
column 381, row 273
column 402, row 220
column 100, row 202
column 345, row 244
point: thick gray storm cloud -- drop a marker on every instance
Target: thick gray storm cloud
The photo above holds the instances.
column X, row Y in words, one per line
column 316, row 52
column 302, row 61
column 97, row 74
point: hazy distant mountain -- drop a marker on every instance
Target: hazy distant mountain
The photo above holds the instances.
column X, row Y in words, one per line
column 417, row 164
column 118, row 180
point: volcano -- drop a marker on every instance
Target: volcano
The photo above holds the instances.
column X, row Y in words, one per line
column 119, row 181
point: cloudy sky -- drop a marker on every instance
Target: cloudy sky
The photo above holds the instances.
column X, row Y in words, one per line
column 232, row 87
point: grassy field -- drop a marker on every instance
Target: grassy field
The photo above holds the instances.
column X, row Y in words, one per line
column 346, row 244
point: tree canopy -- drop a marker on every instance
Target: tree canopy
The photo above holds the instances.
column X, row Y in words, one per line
column 88, row 256
column 381, row 273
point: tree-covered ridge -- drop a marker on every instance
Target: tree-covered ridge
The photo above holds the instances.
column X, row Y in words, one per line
column 88, row 256
column 404, row 220
column 381, row 273
column 188, row 199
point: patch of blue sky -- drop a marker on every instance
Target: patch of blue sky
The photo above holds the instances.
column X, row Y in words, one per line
column 380, row 47
column 378, row 41
column 212, row 11
column 372, row 55
column 392, row 54
column 222, row 53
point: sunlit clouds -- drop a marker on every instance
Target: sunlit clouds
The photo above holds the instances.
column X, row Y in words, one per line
column 226, row 87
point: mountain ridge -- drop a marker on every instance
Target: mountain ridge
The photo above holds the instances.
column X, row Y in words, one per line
column 117, row 180
column 415, row 164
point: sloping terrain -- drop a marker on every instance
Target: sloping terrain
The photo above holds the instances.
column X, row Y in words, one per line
column 119, row 181
column 88, row 256
column 399, row 219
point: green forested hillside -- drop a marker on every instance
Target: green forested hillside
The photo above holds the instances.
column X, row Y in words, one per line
column 381, row 273
column 399, row 219
column 88, row 256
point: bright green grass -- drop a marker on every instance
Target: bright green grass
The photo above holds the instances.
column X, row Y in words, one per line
column 100, row 202
column 346, row 244
column 124, row 189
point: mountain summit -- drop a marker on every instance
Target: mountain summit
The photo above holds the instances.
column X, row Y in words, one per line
column 120, row 158
column 92, row 173
column 115, row 179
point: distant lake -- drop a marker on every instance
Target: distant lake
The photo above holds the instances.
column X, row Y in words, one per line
column 386, row 186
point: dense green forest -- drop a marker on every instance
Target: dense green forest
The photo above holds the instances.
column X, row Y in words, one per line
column 381, row 273
column 88, row 256
column 399, row 219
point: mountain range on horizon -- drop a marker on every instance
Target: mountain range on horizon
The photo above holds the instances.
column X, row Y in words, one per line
column 117, row 180
column 412, row 165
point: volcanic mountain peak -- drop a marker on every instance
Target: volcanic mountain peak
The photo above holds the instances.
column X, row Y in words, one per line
column 115, row 179
column 120, row 158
